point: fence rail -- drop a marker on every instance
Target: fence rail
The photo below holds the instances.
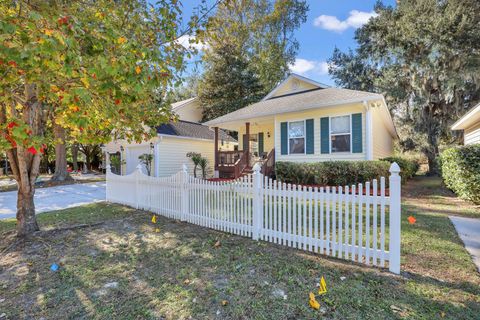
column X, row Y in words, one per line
column 358, row 223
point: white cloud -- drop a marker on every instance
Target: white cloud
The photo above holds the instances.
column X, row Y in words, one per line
column 304, row 66
column 189, row 42
column 355, row 19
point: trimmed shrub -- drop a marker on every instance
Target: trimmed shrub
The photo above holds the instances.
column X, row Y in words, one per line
column 408, row 167
column 332, row 173
column 460, row 168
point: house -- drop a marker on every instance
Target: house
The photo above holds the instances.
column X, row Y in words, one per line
column 302, row 120
column 171, row 145
column 470, row 124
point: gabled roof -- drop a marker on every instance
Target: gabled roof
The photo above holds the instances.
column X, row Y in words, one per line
column 302, row 101
column 179, row 104
column 470, row 118
column 191, row 130
column 292, row 76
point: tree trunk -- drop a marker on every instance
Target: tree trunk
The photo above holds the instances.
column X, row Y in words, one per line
column 75, row 157
column 26, row 220
column 61, row 173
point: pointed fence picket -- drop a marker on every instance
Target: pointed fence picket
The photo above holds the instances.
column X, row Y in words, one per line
column 349, row 222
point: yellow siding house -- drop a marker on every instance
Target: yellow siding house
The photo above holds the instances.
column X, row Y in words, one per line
column 304, row 121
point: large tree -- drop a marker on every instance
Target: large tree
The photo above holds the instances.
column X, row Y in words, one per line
column 89, row 65
column 257, row 38
column 424, row 55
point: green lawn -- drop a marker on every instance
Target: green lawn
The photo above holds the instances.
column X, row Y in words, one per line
column 123, row 269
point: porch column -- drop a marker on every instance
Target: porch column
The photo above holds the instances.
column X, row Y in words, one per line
column 247, row 144
column 216, row 153
column 368, row 132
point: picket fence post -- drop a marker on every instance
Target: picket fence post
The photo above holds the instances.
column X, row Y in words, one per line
column 395, row 217
column 137, row 175
column 257, row 201
column 184, row 197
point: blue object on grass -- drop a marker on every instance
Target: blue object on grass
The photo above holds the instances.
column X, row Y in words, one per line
column 54, row 267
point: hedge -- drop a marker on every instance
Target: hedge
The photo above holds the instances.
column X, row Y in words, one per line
column 460, row 168
column 333, row 173
column 408, row 167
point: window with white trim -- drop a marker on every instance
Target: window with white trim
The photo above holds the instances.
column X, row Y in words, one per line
column 296, row 137
column 340, row 134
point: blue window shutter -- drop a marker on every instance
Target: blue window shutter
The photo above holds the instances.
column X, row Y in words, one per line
column 325, row 135
column 357, row 133
column 309, row 136
column 260, row 144
column 284, row 137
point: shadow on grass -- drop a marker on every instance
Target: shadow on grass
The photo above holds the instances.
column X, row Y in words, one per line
column 179, row 273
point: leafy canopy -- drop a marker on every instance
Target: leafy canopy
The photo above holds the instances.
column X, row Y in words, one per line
column 93, row 66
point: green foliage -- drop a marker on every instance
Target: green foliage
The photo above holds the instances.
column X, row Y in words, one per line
column 461, row 171
column 228, row 83
column 203, row 163
column 146, row 159
column 332, row 173
column 196, row 159
column 408, row 167
column 424, row 55
column 251, row 45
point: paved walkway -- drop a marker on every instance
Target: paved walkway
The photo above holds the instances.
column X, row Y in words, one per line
column 469, row 231
column 55, row 198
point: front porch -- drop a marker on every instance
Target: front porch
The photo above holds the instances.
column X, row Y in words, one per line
column 257, row 143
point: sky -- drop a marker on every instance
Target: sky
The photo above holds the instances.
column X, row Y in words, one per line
column 330, row 24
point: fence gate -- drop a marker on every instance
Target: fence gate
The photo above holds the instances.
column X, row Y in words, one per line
column 359, row 223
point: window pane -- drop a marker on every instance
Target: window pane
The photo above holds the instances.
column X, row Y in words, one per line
column 296, row 129
column 297, row 145
column 341, row 143
column 341, row 124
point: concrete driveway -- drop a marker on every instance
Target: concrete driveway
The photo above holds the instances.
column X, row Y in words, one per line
column 469, row 231
column 55, row 198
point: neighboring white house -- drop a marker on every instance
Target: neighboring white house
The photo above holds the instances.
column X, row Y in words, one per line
column 470, row 124
column 172, row 143
column 305, row 121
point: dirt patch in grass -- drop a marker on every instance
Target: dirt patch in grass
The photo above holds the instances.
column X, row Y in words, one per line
column 123, row 269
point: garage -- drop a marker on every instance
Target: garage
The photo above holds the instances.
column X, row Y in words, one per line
column 132, row 154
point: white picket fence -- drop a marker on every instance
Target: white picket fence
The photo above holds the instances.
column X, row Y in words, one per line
column 349, row 222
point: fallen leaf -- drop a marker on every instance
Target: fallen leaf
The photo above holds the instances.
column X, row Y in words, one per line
column 138, row 69
column 122, row 40
column 217, row 244
column 224, row 302
column 313, row 302
column 186, row 281
column 157, row 230
column 154, row 219
column 322, row 286
column 412, row 220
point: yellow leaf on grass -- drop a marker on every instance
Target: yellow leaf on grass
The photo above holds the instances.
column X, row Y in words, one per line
column 122, row 40
column 217, row 244
column 154, row 219
column 313, row 302
column 224, row 302
column 138, row 69
column 48, row 32
column 157, row 230
column 323, row 286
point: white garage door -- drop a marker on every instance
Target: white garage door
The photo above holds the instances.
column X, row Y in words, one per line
column 132, row 157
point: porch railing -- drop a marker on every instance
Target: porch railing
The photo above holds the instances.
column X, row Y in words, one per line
column 269, row 164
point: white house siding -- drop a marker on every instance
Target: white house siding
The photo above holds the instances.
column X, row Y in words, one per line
column 316, row 114
column 472, row 134
column 382, row 139
column 191, row 111
column 172, row 154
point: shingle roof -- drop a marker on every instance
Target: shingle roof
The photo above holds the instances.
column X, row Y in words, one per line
column 297, row 102
column 191, row 129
